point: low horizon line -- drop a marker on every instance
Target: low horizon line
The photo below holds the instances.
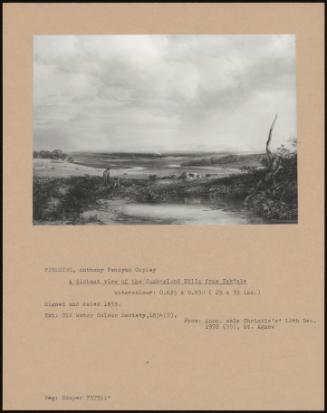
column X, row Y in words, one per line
column 153, row 152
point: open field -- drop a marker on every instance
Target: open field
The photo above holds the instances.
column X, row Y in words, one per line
column 141, row 166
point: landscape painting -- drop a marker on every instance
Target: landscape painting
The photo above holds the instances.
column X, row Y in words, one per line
column 164, row 130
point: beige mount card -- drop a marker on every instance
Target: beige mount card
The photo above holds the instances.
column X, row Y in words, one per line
column 163, row 206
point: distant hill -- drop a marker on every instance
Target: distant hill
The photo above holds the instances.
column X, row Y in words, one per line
column 156, row 160
column 127, row 155
column 253, row 159
column 130, row 155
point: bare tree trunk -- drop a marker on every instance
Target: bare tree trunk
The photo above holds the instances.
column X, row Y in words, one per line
column 271, row 165
column 268, row 151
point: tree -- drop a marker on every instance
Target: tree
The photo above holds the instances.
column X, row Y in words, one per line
column 273, row 160
column 274, row 195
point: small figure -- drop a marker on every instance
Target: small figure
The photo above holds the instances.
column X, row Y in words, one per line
column 106, row 176
column 116, row 183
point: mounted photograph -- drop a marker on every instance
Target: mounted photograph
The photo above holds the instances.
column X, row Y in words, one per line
column 164, row 129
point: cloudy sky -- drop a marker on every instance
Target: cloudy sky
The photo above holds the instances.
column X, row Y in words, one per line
column 163, row 92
